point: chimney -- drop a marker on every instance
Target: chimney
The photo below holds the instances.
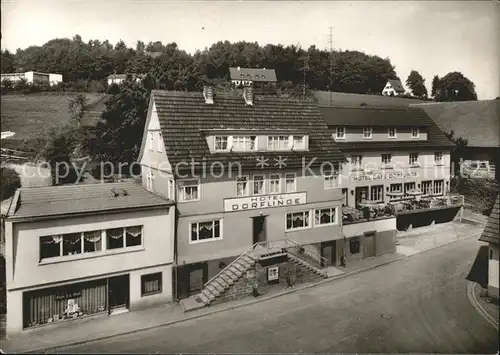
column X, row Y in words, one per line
column 208, row 94
column 248, row 95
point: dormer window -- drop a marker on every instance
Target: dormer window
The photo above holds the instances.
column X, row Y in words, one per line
column 243, row 143
column 415, row 132
column 220, row 143
column 392, row 132
column 278, row 142
column 298, row 142
column 340, row 133
column 367, row 133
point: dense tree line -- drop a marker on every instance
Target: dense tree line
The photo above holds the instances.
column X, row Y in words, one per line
column 94, row 60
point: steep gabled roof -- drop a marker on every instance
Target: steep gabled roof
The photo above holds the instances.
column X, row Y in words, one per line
column 185, row 120
column 69, row 200
column 385, row 117
column 491, row 231
column 253, row 74
column 476, row 121
column 397, row 85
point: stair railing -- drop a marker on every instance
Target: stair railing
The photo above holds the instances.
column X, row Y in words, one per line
column 305, row 254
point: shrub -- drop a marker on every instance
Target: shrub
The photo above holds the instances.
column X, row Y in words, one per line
column 10, row 182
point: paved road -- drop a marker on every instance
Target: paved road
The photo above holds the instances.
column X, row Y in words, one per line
column 414, row 305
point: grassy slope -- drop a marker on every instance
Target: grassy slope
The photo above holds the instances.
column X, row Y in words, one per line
column 32, row 116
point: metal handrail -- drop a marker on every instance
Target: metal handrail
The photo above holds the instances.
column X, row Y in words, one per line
column 267, row 244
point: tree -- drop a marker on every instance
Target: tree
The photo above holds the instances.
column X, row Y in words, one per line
column 57, row 153
column 10, row 182
column 416, row 83
column 435, row 85
column 77, row 107
column 455, row 86
column 7, row 62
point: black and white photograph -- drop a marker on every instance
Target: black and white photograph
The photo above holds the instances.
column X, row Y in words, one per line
column 250, row 177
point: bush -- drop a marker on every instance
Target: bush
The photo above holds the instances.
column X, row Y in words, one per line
column 479, row 193
column 10, row 182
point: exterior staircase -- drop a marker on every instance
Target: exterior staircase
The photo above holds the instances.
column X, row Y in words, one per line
column 225, row 279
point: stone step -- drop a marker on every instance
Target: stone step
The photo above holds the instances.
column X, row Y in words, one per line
column 208, row 294
column 243, row 263
column 204, row 298
column 213, row 290
column 228, row 280
column 217, row 286
column 248, row 259
column 239, row 267
column 220, row 281
column 231, row 275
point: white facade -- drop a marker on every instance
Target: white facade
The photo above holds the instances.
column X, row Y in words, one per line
column 389, row 90
column 493, row 274
column 34, row 77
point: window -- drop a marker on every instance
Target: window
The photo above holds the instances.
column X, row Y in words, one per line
column 410, row 186
column 413, row 159
column 242, row 186
column 438, row 187
column 330, row 182
column 189, row 190
column 298, row 142
column 438, row 158
column 340, row 133
column 297, row 220
column 160, row 142
column 151, row 140
column 367, row 132
column 356, row 162
column 277, row 142
column 491, row 254
column 345, row 197
column 325, row 216
column 354, row 245
column 220, row 143
column 274, row 184
column 70, row 244
column 204, row 231
column 395, row 189
column 392, row 132
column 244, row 143
column 426, row 188
column 290, row 182
column 258, row 185
column 151, row 284
column 377, row 193
column 150, row 181
column 386, row 159
column 133, row 236
column 415, row 132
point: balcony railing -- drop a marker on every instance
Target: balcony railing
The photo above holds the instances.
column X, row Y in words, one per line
column 370, row 211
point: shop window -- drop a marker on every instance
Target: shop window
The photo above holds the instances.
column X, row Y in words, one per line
column 410, row 186
column 151, row 284
column 324, row 216
column 204, row 231
column 438, row 187
column 377, row 193
column 426, row 188
column 354, row 245
column 297, row 220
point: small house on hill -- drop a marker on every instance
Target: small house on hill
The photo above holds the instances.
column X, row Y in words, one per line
column 394, row 87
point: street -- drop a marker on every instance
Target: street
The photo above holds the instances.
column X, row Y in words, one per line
column 414, row 305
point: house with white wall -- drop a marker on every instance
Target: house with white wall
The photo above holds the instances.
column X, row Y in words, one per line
column 394, row 87
column 79, row 251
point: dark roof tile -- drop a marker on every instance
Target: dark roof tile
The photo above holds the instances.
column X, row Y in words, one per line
column 491, row 231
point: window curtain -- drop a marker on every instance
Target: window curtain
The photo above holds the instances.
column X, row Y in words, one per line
column 73, row 238
column 115, row 233
column 134, row 231
column 92, row 237
column 54, row 239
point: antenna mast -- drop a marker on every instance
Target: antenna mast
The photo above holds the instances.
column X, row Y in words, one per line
column 331, row 64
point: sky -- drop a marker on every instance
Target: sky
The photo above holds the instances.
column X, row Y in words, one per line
column 432, row 37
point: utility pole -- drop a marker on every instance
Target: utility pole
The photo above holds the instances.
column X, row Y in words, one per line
column 304, row 70
column 331, row 64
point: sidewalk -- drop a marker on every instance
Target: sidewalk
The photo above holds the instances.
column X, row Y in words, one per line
column 85, row 330
column 486, row 306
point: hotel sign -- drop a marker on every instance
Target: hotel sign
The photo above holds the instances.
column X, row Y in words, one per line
column 385, row 176
column 265, row 201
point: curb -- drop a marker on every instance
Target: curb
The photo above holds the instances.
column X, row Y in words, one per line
column 475, row 303
column 266, row 298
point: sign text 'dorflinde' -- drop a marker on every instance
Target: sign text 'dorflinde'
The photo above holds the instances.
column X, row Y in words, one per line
column 265, row 201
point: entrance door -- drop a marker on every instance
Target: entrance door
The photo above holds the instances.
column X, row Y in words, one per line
column 119, row 288
column 195, row 281
column 329, row 252
column 368, row 245
column 361, row 194
column 259, row 229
